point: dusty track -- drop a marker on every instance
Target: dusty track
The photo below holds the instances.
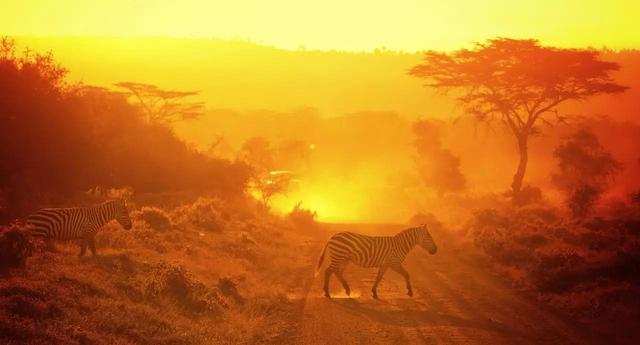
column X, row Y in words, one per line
column 456, row 301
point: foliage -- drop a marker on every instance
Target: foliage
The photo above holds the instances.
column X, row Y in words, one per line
column 15, row 247
column 275, row 182
column 584, row 170
column 175, row 283
column 438, row 167
column 302, row 218
column 518, row 82
column 202, row 288
column 155, row 217
column 574, row 265
column 58, row 142
column 528, row 195
column 209, row 214
column 163, row 106
column 268, row 178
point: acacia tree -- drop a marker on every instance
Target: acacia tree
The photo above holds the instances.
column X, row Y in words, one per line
column 519, row 83
column 258, row 153
column 163, row 106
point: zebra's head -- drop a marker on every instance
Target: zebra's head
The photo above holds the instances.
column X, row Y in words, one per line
column 427, row 241
column 122, row 214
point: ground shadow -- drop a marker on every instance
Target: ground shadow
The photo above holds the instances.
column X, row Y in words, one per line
column 397, row 314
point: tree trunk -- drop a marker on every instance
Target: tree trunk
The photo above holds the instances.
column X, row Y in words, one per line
column 516, row 185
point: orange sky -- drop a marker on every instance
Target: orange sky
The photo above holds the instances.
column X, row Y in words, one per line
column 335, row 24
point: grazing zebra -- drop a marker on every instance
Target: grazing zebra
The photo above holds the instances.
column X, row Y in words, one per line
column 383, row 252
column 77, row 223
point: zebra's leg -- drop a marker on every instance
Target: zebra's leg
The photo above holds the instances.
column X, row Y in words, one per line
column 92, row 245
column 327, row 276
column 405, row 274
column 50, row 246
column 83, row 247
column 381, row 272
column 338, row 273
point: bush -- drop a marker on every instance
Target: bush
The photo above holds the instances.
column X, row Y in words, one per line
column 302, row 218
column 15, row 248
column 527, row 195
column 205, row 213
column 156, row 218
column 175, row 285
column 582, row 199
column 585, row 169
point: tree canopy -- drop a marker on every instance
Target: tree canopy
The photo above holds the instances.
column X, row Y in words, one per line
column 163, row 106
column 518, row 82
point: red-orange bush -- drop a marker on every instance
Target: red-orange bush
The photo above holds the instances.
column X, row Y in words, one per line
column 15, row 247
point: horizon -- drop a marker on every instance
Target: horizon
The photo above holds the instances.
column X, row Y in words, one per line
column 247, row 41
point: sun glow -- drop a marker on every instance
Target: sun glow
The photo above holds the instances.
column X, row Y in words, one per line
column 334, row 24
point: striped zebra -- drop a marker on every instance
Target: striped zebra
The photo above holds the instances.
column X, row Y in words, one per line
column 383, row 252
column 77, row 223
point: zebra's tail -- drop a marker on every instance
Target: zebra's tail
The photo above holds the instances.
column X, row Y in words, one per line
column 321, row 259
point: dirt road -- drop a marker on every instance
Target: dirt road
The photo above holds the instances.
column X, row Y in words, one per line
column 456, row 301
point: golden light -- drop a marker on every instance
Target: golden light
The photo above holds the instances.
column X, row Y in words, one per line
column 334, row 24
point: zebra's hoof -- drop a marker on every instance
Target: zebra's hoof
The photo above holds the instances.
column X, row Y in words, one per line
column 348, row 292
column 375, row 296
column 410, row 293
column 326, row 295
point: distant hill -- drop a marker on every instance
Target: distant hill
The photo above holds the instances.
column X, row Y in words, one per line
column 244, row 76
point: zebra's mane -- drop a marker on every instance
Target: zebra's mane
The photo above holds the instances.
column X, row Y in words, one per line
column 412, row 232
column 412, row 229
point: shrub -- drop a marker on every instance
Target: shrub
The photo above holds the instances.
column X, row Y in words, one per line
column 205, row 213
column 527, row 195
column 156, row 218
column 511, row 236
column 176, row 285
column 582, row 199
column 585, row 169
column 15, row 248
column 302, row 218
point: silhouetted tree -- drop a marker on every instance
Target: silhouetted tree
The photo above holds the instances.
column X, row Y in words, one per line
column 269, row 165
column 58, row 140
column 163, row 106
column 519, row 83
column 438, row 167
column 584, row 170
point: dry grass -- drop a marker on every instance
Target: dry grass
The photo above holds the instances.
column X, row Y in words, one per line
column 590, row 268
column 213, row 276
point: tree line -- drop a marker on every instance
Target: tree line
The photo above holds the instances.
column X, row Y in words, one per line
column 59, row 139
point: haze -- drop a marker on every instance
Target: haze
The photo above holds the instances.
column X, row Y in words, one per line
column 333, row 24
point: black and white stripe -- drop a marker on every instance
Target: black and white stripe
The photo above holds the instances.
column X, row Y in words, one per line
column 383, row 252
column 77, row 223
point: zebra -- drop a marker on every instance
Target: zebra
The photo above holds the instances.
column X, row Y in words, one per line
column 383, row 252
column 77, row 223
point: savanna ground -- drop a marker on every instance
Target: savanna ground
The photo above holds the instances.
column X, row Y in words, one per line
column 205, row 273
